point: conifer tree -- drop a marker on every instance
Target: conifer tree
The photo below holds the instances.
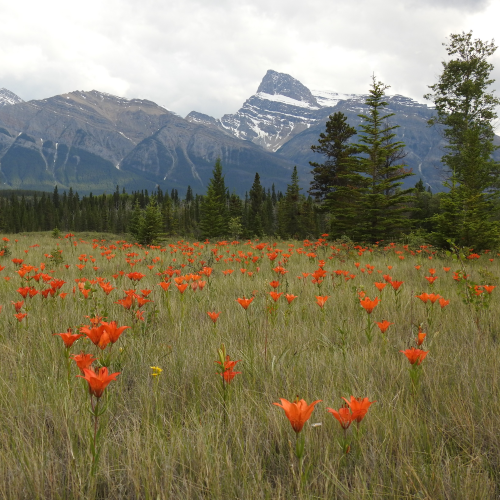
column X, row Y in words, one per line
column 381, row 204
column 254, row 224
column 214, row 218
column 335, row 146
column 151, row 224
column 466, row 109
column 289, row 210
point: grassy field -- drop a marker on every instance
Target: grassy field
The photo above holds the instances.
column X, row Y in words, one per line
column 185, row 434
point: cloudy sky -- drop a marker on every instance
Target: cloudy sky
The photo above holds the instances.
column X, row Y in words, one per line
column 210, row 55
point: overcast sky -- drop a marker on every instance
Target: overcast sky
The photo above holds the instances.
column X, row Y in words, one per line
column 210, row 55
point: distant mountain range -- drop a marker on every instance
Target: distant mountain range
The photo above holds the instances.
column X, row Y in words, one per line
column 92, row 141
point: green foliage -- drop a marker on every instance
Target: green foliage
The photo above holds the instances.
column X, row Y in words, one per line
column 255, row 212
column 214, row 216
column 235, row 228
column 295, row 213
column 150, row 224
column 381, row 201
column 466, row 108
column 335, row 146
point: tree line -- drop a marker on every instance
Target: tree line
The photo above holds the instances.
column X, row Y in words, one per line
column 356, row 192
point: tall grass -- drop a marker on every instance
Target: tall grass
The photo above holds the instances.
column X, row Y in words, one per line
column 169, row 438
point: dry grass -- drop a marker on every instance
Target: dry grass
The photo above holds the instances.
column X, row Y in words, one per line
column 171, row 440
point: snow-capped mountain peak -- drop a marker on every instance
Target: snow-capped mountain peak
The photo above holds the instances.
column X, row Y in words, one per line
column 7, row 97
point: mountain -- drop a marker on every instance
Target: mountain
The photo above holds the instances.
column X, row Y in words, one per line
column 424, row 146
column 93, row 141
column 7, row 97
column 281, row 109
column 285, row 117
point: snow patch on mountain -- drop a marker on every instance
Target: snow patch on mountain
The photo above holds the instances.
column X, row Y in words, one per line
column 7, row 97
column 328, row 98
column 284, row 99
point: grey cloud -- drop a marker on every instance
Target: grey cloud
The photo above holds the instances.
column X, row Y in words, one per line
column 210, row 55
column 460, row 5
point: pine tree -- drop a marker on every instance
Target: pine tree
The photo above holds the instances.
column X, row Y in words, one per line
column 151, row 224
column 254, row 223
column 289, row 210
column 466, row 109
column 214, row 217
column 135, row 220
column 382, row 205
column 335, row 146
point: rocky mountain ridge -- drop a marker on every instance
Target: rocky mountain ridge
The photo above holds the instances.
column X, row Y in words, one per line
column 93, row 141
column 7, row 97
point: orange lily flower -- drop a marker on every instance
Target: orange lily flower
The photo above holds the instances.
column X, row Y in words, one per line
column 107, row 288
column 182, row 288
column 20, row 316
column 164, row 285
column 69, row 338
column 135, row 276
column 97, row 335
column 298, row 413
column 141, row 301
column 113, row 331
column 489, row 288
column 228, row 373
column 244, row 302
column 126, row 302
column 415, row 355
column 396, row 284
column 213, row 316
column 290, row 297
column 83, row 360
column 380, row 286
column 18, row 305
column 431, row 279
column 421, row 337
column 369, row 305
column 359, row 407
column 24, row 291
column 275, row 284
column 344, row 416
column 321, row 300
column 383, row 325
column 443, row 303
column 433, row 297
column 424, row 297
column 98, row 381
column 275, row 295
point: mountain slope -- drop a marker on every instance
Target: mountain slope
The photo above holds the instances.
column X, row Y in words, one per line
column 94, row 141
column 7, row 97
column 424, row 145
column 182, row 153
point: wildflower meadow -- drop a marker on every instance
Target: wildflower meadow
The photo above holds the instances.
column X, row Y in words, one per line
column 247, row 370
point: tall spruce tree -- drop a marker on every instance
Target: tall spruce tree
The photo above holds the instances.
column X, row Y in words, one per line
column 289, row 210
column 335, row 145
column 254, row 223
column 337, row 182
column 214, row 217
column 382, row 205
column 466, row 108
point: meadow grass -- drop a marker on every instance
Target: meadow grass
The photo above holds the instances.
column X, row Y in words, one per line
column 174, row 436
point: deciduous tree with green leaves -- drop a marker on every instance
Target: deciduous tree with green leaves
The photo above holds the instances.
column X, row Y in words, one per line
column 465, row 105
